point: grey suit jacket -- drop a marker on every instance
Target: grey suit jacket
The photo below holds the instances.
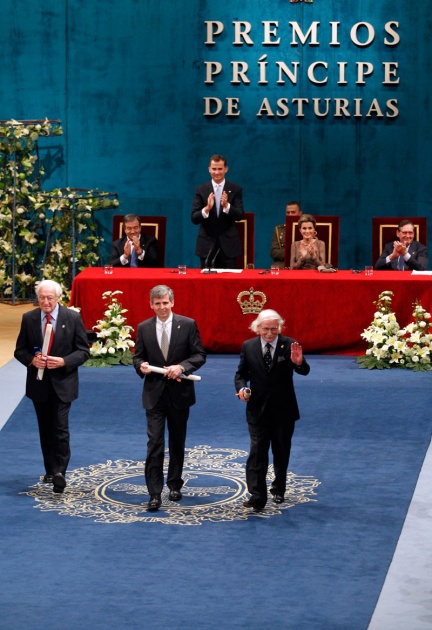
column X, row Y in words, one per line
column 185, row 349
column 276, row 385
column 70, row 342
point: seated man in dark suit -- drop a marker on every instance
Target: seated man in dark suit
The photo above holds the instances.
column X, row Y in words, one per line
column 405, row 253
column 134, row 249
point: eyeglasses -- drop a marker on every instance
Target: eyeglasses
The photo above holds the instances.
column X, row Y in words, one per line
column 266, row 330
column 49, row 298
column 405, row 232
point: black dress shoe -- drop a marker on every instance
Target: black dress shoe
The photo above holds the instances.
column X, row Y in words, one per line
column 47, row 479
column 175, row 495
column 278, row 498
column 253, row 503
column 59, row 482
column 155, row 502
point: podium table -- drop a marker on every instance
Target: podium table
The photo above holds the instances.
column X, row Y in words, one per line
column 325, row 312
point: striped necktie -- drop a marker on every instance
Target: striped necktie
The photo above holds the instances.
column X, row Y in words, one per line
column 48, row 321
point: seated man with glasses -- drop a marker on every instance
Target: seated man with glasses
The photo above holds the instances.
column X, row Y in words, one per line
column 134, row 249
column 405, row 253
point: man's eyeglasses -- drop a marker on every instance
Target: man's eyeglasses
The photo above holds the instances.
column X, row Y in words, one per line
column 266, row 330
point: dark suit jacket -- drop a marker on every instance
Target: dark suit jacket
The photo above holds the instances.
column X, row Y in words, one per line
column 276, row 385
column 185, row 349
column 419, row 258
column 220, row 229
column 70, row 342
column 148, row 244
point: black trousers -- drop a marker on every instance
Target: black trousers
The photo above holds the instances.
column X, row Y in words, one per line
column 269, row 431
column 53, row 421
column 220, row 262
column 177, row 424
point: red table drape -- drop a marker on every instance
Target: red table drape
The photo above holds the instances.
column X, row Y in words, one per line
column 324, row 312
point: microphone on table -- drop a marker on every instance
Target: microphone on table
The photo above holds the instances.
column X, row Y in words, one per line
column 208, row 269
column 211, row 270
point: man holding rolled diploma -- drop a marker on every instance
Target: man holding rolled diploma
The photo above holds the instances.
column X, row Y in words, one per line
column 268, row 363
column 167, row 397
column 52, row 344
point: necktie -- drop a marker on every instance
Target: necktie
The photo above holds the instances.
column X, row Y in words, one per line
column 164, row 341
column 400, row 264
column 218, row 195
column 268, row 358
column 134, row 257
column 48, row 321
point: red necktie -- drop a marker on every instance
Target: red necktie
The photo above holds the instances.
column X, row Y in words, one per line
column 48, row 321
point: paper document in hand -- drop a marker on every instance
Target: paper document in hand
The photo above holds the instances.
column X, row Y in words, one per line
column 45, row 346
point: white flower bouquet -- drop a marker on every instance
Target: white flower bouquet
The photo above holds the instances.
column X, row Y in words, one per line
column 114, row 343
column 393, row 346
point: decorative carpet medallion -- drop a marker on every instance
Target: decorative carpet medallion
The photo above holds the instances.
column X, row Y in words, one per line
column 214, row 490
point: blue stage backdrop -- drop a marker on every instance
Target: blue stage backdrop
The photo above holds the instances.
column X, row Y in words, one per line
column 327, row 102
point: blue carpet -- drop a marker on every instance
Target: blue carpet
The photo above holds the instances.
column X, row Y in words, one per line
column 94, row 558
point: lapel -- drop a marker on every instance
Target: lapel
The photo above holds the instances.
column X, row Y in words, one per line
column 281, row 349
column 412, row 249
column 258, row 355
column 175, row 333
column 37, row 326
column 61, row 326
column 227, row 189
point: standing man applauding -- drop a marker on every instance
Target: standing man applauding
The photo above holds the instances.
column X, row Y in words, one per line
column 216, row 207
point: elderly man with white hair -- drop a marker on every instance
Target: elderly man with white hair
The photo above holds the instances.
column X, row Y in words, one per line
column 264, row 380
column 52, row 373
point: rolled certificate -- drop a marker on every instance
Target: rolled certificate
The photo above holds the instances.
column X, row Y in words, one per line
column 247, row 393
column 159, row 370
column 45, row 346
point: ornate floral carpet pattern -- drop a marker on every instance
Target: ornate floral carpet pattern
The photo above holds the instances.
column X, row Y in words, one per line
column 95, row 557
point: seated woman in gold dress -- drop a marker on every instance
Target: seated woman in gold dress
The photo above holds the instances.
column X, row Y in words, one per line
column 309, row 252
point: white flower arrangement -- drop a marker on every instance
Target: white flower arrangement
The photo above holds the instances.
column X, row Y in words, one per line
column 39, row 224
column 393, row 346
column 114, row 343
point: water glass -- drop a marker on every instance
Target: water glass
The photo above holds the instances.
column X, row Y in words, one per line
column 108, row 269
column 182, row 269
column 368, row 270
column 274, row 270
